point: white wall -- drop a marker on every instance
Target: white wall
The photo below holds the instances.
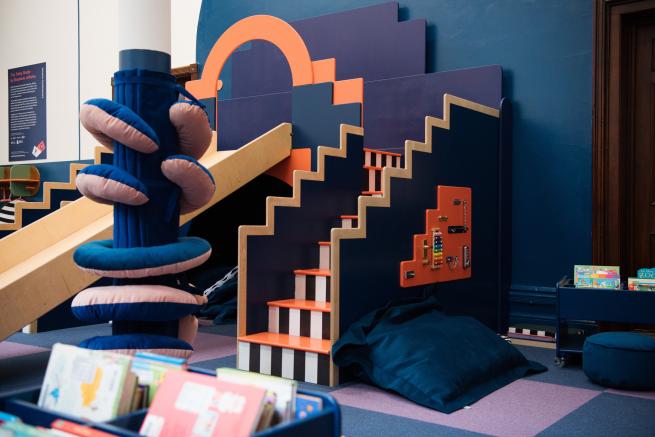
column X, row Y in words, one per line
column 34, row 31
column 56, row 43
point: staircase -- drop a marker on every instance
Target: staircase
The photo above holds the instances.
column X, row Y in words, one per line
column 297, row 344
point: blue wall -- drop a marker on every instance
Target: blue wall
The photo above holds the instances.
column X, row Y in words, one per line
column 544, row 47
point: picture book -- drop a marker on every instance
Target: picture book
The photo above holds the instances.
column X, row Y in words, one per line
column 597, row 277
column 307, row 405
column 646, row 273
column 196, row 405
column 638, row 284
column 284, row 389
column 19, row 429
column 89, row 384
column 75, row 429
column 150, row 370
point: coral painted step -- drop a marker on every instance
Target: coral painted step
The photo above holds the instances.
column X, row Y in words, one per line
column 286, row 341
column 312, row 272
column 301, row 304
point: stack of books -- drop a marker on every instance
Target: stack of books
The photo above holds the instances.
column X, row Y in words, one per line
column 11, row 426
column 597, row 277
column 641, row 284
column 99, row 386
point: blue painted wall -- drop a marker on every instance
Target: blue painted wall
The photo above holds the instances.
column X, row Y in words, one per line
column 544, row 47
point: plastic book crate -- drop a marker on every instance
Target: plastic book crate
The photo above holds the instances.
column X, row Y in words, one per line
column 325, row 423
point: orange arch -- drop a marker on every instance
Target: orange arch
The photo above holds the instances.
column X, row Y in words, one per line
column 256, row 27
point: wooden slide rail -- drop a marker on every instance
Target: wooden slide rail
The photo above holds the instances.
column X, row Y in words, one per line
column 37, row 271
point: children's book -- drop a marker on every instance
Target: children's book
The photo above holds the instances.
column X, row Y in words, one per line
column 307, row 405
column 646, row 273
column 284, row 389
column 597, row 277
column 19, row 429
column 150, row 370
column 638, row 284
column 196, row 405
column 75, row 429
column 90, row 384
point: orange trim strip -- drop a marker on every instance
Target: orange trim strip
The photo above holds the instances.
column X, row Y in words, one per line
column 324, row 243
column 312, row 272
column 351, row 217
column 381, row 152
column 371, row 193
column 373, row 167
column 309, row 305
column 306, row 344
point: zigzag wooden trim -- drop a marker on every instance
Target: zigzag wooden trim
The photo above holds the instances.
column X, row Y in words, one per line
column 294, row 201
column 48, row 187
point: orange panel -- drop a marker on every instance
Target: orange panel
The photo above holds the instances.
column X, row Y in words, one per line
column 348, row 91
column 325, row 70
column 443, row 253
column 307, row 344
column 324, row 243
column 312, row 272
column 309, row 305
column 300, row 159
column 256, row 27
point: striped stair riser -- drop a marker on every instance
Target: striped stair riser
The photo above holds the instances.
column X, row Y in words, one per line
column 324, row 257
column 7, row 212
column 348, row 223
column 382, row 160
column 287, row 363
column 309, row 287
column 374, row 180
column 301, row 323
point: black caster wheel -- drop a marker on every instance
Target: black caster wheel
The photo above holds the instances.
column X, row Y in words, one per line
column 560, row 362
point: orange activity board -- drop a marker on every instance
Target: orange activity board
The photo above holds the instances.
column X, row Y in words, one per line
column 443, row 252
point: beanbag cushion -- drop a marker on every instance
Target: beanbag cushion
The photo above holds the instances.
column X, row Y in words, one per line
column 107, row 184
column 623, row 360
column 134, row 302
column 107, row 121
column 101, row 258
column 196, row 182
column 194, row 133
column 133, row 343
column 437, row 361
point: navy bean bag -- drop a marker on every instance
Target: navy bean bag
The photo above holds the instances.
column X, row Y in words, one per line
column 438, row 361
column 623, row 360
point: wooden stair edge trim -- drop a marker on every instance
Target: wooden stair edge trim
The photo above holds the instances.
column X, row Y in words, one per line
column 301, row 304
column 364, row 202
column 306, row 344
column 294, row 201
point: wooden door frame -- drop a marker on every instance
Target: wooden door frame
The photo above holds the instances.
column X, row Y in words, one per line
column 610, row 130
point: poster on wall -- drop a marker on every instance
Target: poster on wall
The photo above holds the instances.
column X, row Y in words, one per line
column 27, row 113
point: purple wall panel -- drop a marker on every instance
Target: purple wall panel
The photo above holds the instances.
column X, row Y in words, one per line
column 395, row 109
column 242, row 120
column 367, row 42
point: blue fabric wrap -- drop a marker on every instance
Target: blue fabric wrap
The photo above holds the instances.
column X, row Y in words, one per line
column 190, row 159
column 115, row 174
column 149, row 311
column 437, row 361
column 101, row 255
column 135, row 341
column 125, row 114
column 623, row 360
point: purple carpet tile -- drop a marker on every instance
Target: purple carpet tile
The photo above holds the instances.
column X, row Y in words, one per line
column 523, row 408
column 9, row 349
column 211, row 346
column 637, row 394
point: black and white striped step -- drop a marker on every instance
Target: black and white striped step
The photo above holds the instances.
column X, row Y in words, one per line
column 7, row 212
column 312, row 284
column 304, row 318
column 374, row 177
column 277, row 358
column 379, row 158
column 324, row 255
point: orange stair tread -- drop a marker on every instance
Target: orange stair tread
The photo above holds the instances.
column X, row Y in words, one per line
column 287, row 341
column 373, row 167
column 381, row 152
column 301, row 304
column 312, row 272
column 369, row 193
column 351, row 217
column 324, row 243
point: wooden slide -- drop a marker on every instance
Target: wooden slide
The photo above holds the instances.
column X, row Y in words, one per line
column 37, row 271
